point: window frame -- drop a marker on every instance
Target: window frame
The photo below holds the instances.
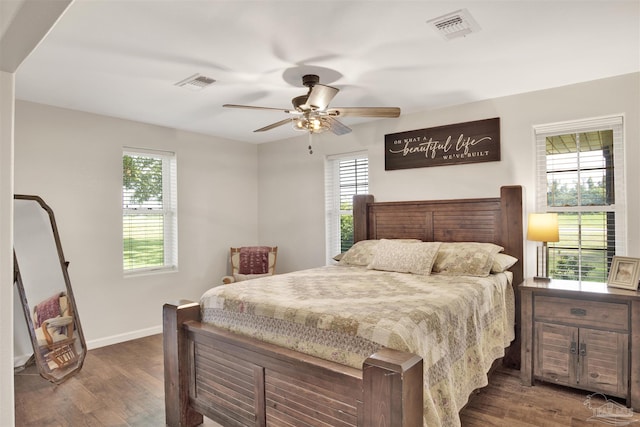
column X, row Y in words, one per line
column 169, row 211
column 333, row 195
column 617, row 208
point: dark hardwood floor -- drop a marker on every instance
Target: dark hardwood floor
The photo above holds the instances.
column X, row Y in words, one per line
column 122, row 385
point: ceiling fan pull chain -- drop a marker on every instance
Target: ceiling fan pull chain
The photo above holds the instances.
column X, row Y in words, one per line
column 310, row 149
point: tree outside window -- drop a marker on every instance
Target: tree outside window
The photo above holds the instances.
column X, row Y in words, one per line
column 148, row 211
column 582, row 180
column 345, row 176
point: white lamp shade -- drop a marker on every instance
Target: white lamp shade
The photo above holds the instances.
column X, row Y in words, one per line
column 543, row 227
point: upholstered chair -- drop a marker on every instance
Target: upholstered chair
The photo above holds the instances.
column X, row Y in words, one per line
column 53, row 323
column 250, row 262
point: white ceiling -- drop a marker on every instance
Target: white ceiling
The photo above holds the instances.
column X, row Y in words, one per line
column 123, row 58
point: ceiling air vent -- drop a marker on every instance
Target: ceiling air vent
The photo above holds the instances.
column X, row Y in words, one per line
column 455, row 24
column 196, row 82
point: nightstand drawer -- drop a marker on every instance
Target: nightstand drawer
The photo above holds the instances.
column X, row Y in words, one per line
column 596, row 314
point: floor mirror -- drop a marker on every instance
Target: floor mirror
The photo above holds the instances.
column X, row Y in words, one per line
column 42, row 281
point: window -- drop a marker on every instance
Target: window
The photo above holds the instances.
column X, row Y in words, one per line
column 580, row 176
column 149, row 211
column 345, row 176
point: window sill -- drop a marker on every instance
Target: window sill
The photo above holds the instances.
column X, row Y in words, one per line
column 149, row 271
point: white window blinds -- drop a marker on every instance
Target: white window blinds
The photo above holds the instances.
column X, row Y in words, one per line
column 345, row 176
column 149, row 210
column 581, row 177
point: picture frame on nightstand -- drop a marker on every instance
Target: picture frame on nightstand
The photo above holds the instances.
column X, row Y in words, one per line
column 624, row 273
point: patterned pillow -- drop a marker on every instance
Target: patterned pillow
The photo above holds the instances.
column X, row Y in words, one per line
column 404, row 257
column 465, row 258
column 361, row 253
column 502, row 263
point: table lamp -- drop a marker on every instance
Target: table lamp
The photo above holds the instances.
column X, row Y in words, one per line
column 543, row 227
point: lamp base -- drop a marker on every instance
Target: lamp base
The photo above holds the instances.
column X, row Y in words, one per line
column 542, row 266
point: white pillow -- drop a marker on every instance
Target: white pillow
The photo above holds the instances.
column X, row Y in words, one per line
column 502, row 262
column 404, row 257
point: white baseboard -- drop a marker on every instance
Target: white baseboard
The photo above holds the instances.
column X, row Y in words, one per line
column 115, row 339
column 20, row 360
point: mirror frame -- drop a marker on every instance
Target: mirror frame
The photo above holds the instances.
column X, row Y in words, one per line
column 38, row 354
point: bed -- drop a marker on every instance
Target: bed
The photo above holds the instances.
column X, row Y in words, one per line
column 239, row 380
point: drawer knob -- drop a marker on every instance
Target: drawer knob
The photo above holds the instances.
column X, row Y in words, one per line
column 578, row 312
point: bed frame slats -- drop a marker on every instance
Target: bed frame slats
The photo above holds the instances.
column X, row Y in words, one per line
column 343, row 399
column 285, row 399
column 227, row 383
column 411, row 224
column 430, row 222
column 232, row 389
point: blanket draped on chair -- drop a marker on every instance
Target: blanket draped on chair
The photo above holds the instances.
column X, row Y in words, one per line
column 254, row 260
column 47, row 309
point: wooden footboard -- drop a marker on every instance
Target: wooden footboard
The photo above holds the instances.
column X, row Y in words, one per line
column 239, row 381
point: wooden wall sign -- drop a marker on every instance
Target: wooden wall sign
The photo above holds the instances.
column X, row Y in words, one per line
column 469, row 142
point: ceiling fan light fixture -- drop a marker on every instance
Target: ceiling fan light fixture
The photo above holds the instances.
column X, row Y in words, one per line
column 312, row 125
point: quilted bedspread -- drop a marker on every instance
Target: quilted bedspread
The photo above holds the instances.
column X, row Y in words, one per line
column 458, row 324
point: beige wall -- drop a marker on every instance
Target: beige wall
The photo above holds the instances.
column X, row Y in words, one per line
column 292, row 203
column 73, row 160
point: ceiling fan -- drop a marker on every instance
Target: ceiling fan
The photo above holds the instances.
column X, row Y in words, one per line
column 311, row 112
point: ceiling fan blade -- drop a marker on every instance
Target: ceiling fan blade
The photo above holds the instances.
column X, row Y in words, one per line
column 336, row 126
column 274, row 125
column 251, row 107
column 364, row 112
column 320, row 96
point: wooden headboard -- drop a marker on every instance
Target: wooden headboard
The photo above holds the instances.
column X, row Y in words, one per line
column 494, row 220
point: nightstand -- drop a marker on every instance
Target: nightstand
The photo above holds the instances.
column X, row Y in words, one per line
column 581, row 334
